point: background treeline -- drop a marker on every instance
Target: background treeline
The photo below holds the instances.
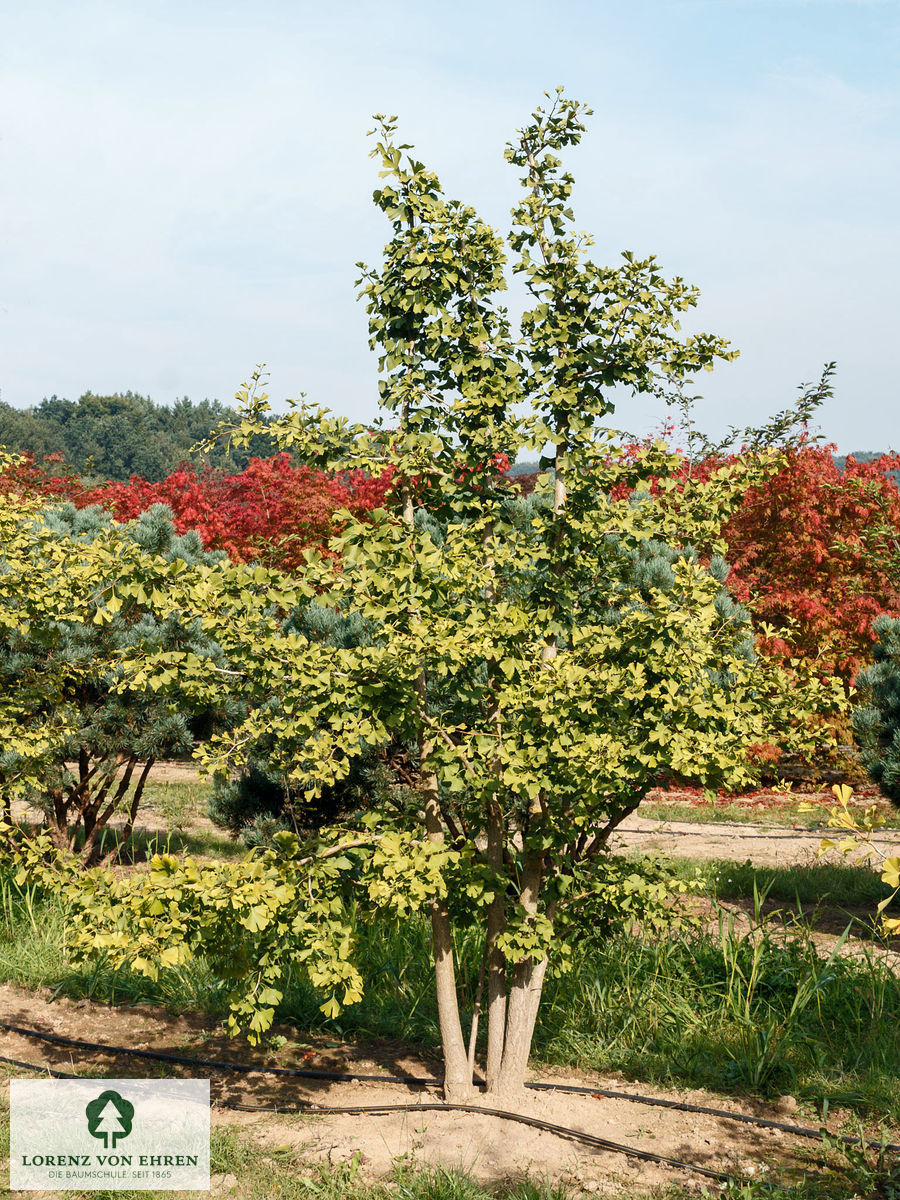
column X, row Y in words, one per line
column 125, row 434
column 115, row 437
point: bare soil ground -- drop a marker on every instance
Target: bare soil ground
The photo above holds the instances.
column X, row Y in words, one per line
column 489, row 1147
column 765, row 845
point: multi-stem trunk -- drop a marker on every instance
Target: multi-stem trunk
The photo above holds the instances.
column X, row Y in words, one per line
column 457, row 1073
column 496, row 917
column 513, row 1018
column 525, row 985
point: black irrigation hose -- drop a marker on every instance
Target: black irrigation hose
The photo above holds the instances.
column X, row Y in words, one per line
column 423, row 1081
column 216, row 1064
column 17, row 1062
column 312, row 1107
column 684, row 1106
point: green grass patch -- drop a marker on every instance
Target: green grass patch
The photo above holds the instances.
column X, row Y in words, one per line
column 734, row 812
column 838, row 885
column 177, row 801
column 196, row 843
column 786, row 813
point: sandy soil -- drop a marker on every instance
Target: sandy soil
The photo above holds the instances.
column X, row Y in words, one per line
column 765, row 845
column 489, row 1147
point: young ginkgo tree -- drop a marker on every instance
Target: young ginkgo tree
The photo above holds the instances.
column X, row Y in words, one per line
column 545, row 660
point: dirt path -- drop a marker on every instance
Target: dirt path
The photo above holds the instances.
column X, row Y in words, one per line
column 489, row 1147
column 764, row 845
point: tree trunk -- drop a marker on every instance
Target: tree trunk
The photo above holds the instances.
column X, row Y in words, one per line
column 524, row 1001
column 61, row 836
column 457, row 1075
column 496, row 923
column 525, row 990
column 128, row 830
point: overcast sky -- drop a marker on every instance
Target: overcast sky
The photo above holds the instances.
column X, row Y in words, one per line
column 185, row 187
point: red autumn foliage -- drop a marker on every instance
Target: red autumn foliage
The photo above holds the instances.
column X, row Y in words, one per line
column 815, row 549
column 764, row 752
column 819, row 548
column 270, row 512
column 28, row 479
column 814, row 552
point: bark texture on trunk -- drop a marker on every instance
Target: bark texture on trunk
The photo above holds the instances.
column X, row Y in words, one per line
column 524, row 1001
column 525, row 988
column 457, row 1075
column 496, row 963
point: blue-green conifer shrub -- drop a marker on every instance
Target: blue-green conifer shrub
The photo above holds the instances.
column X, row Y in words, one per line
column 876, row 722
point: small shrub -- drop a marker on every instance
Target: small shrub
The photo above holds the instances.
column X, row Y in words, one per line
column 876, row 722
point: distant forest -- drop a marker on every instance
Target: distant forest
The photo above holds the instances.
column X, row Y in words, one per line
column 115, row 437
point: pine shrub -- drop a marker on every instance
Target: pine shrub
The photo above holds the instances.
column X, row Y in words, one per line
column 876, row 722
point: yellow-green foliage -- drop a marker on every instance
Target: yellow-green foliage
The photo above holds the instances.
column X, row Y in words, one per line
column 542, row 686
column 664, row 686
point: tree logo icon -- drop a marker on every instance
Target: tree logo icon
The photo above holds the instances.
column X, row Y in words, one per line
column 109, row 1116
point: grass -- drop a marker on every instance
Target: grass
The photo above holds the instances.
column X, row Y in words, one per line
column 783, row 812
column 765, row 1015
column 177, row 801
column 838, row 885
column 197, row 843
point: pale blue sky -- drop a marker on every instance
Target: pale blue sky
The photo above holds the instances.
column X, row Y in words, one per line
column 185, row 187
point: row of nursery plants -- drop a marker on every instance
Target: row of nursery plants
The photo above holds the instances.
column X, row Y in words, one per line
column 813, row 551
column 460, row 688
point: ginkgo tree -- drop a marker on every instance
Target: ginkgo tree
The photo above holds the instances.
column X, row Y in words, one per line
column 545, row 660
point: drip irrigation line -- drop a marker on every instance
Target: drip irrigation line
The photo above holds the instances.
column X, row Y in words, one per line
column 216, row 1064
column 726, row 1114
column 311, row 1107
column 431, row 1081
column 17, row 1062
column 588, row 1139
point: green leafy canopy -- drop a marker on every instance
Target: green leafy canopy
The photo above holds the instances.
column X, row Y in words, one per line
column 550, row 659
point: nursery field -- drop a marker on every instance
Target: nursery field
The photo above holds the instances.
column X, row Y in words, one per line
column 796, row 808
column 760, row 1004
column 466, row 939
